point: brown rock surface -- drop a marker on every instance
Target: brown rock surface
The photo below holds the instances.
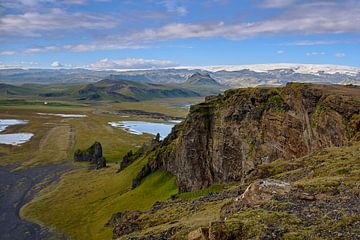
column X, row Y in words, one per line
column 225, row 138
column 199, row 234
column 262, row 191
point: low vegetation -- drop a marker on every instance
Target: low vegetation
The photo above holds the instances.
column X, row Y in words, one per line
column 332, row 175
column 83, row 201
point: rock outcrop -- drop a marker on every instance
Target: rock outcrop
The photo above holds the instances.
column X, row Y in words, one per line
column 311, row 197
column 92, row 155
column 257, row 193
column 261, row 191
column 226, row 137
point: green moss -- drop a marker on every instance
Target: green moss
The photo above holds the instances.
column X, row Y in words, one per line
column 278, row 167
column 204, row 111
column 199, row 193
column 352, row 126
column 274, row 102
column 256, row 222
column 321, row 107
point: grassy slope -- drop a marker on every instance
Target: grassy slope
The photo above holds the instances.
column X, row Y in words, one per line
column 333, row 173
column 84, row 200
column 127, row 91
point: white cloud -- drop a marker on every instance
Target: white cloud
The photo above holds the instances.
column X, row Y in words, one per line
column 306, row 18
column 75, row 48
column 131, row 63
column 321, row 42
column 315, row 53
column 28, row 63
column 56, row 64
column 280, row 52
column 276, row 3
column 34, row 23
column 8, row 53
column 172, row 6
column 340, row 54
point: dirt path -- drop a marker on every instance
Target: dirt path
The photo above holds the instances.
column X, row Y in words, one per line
column 17, row 189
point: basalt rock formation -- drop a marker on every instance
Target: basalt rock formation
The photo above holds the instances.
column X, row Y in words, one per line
column 93, row 155
column 226, row 137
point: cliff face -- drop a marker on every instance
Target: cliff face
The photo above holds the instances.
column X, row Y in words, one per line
column 226, row 137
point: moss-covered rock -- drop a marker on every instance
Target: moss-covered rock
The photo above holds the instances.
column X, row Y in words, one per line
column 92, row 155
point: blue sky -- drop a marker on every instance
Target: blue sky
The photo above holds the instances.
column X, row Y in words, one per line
column 103, row 34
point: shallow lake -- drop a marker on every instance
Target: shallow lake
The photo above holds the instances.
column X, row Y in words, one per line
column 13, row 138
column 139, row 127
column 4, row 123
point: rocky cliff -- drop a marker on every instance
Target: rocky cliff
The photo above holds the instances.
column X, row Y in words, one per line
column 226, row 137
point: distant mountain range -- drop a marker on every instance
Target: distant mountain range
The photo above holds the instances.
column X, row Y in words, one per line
column 232, row 76
column 125, row 90
column 115, row 89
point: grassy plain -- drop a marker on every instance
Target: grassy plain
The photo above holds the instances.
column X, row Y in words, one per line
column 84, row 200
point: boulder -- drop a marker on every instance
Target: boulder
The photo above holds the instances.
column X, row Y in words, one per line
column 263, row 190
column 92, row 155
column 257, row 193
column 199, row 234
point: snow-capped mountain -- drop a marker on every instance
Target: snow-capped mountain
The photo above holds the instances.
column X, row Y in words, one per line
column 298, row 68
column 232, row 76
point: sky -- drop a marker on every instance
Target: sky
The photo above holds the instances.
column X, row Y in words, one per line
column 125, row 34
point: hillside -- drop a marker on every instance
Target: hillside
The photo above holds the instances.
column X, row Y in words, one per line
column 111, row 89
column 201, row 80
column 7, row 90
column 204, row 84
column 282, row 159
column 124, row 90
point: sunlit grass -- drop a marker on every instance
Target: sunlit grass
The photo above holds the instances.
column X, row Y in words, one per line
column 83, row 201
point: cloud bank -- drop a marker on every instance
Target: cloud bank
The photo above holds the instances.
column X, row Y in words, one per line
column 130, row 63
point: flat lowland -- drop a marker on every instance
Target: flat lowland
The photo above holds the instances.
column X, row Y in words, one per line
column 80, row 201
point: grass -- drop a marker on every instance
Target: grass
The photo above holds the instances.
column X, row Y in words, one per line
column 56, row 139
column 255, row 222
column 327, row 171
column 200, row 193
column 83, row 201
column 332, row 172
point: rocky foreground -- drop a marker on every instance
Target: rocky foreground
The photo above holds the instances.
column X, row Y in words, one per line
column 286, row 163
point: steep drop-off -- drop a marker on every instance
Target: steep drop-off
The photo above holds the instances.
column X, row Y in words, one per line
column 226, row 137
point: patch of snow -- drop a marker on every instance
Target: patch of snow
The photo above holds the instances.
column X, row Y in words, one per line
column 298, row 68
